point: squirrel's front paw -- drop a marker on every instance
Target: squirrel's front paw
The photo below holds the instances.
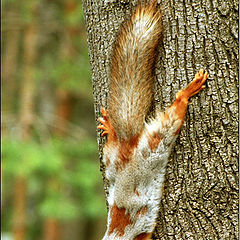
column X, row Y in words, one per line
column 106, row 125
column 197, row 84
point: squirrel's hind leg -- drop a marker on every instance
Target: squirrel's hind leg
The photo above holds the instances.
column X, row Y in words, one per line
column 168, row 125
column 180, row 104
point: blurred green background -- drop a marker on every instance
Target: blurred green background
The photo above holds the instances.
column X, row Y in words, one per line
column 51, row 183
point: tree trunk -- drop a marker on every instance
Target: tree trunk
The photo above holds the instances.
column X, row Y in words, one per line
column 28, row 85
column 52, row 225
column 19, row 228
column 200, row 199
column 26, row 120
column 51, row 229
column 64, row 102
column 63, row 112
column 9, row 67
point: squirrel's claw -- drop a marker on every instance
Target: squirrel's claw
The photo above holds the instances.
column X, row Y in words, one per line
column 105, row 122
column 104, row 113
column 102, row 127
column 197, row 84
column 105, row 133
column 101, row 120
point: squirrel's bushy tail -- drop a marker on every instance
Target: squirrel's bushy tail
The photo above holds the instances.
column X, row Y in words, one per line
column 131, row 73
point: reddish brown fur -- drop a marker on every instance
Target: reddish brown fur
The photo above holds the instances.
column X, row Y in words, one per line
column 125, row 151
column 143, row 236
column 112, row 135
column 107, row 161
column 136, row 192
column 181, row 107
column 142, row 211
column 107, row 127
column 127, row 147
column 119, row 220
column 154, row 140
column 181, row 102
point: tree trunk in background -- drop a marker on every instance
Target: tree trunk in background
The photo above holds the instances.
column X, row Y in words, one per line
column 64, row 103
column 19, row 228
column 9, row 67
column 200, row 199
column 28, row 84
column 26, row 119
column 51, row 229
column 52, row 226
column 63, row 112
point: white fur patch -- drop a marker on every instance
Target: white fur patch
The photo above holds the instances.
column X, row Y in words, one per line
column 139, row 184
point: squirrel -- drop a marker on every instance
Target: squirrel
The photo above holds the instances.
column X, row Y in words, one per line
column 136, row 152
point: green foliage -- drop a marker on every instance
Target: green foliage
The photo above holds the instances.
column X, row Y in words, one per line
column 64, row 173
column 72, row 75
column 24, row 158
column 60, row 207
column 28, row 10
column 62, row 176
column 76, row 16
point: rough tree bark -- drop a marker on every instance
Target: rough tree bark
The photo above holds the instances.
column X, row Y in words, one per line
column 200, row 199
